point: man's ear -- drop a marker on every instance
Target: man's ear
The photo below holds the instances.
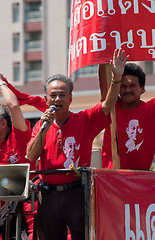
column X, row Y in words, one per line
column 3, row 123
column 70, row 99
column 142, row 89
column 45, row 97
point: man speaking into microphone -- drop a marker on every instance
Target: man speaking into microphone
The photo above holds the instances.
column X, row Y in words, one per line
column 67, row 139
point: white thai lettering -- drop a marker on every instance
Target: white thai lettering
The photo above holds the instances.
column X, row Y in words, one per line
column 136, row 6
column 77, row 16
column 152, row 8
column 152, row 52
column 99, row 44
column 72, row 51
column 123, row 8
column 111, row 9
column 150, row 223
column 139, row 232
column 81, row 43
column 88, row 7
column 117, row 37
column 100, row 11
column 150, row 227
column 129, row 234
column 142, row 33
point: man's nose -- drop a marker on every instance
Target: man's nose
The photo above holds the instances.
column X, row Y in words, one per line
column 57, row 98
column 128, row 89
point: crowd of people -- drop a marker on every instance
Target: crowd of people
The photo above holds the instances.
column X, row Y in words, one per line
column 67, row 139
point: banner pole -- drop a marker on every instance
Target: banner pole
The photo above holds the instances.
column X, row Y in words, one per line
column 93, row 206
column 113, row 126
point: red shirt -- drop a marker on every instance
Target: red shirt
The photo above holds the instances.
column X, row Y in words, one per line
column 72, row 143
column 13, row 149
column 136, row 137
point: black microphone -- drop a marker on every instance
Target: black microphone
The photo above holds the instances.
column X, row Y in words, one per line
column 53, row 109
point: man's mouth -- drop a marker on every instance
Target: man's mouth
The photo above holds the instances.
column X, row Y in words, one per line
column 128, row 94
column 58, row 106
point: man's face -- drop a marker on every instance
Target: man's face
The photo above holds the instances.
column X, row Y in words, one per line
column 130, row 91
column 132, row 129
column 58, row 94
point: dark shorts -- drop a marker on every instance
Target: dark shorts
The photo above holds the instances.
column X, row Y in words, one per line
column 60, row 209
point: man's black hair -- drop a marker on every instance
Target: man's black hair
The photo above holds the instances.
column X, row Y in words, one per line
column 135, row 70
column 61, row 77
column 5, row 114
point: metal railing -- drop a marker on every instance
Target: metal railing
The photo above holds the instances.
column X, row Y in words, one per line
column 31, row 46
column 32, row 16
column 34, row 75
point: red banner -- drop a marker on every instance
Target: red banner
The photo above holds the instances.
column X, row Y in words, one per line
column 125, row 205
column 99, row 26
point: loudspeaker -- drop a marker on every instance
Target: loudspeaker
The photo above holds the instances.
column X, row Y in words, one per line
column 14, row 182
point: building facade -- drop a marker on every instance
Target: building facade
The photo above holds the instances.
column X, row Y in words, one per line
column 34, row 45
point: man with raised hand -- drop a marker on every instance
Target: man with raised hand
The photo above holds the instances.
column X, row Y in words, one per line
column 135, row 122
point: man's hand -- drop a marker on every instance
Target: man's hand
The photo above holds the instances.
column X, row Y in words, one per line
column 118, row 63
column 48, row 116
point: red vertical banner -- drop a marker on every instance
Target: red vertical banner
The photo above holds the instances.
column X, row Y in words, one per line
column 125, row 205
column 97, row 27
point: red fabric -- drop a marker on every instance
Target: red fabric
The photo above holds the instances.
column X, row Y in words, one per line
column 78, row 134
column 98, row 27
column 13, row 149
column 125, row 206
column 136, row 137
column 24, row 98
column 29, row 217
column 69, row 237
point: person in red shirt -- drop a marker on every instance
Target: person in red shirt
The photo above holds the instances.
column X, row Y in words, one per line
column 67, row 139
column 135, row 122
column 15, row 131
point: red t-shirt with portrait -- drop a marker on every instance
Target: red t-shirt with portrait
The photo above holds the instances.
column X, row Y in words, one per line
column 136, row 137
column 13, row 148
column 72, row 143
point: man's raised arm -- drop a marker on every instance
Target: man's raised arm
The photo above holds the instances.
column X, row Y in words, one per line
column 117, row 67
column 11, row 101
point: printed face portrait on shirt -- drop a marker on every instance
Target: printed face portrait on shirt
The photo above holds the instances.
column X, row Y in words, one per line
column 130, row 91
column 58, row 94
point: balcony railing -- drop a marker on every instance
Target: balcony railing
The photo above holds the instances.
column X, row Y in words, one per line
column 32, row 46
column 33, row 16
column 33, row 75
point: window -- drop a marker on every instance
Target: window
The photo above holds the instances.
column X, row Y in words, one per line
column 33, row 41
column 149, row 67
column 87, row 71
column 16, row 42
column 16, row 71
column 16, row 12
column 33, row 11
column 33, row 71
column 33, row 6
